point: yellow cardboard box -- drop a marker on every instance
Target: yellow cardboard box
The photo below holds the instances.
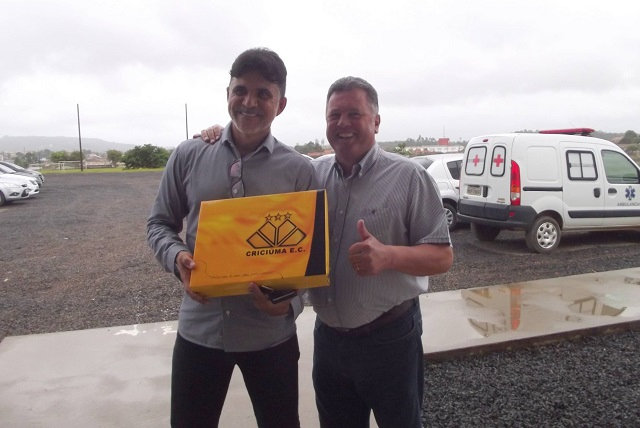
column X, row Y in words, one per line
column 279, row 240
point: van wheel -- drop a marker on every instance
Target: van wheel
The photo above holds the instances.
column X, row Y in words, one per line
column 451, row 214
column 544, row 235
column 484, row 233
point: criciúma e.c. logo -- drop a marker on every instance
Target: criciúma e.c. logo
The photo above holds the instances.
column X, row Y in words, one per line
column 277, row 235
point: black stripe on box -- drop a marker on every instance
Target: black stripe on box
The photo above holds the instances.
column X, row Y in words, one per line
column 317, row 263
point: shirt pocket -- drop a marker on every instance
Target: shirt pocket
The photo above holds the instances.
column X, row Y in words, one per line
column 377, row 221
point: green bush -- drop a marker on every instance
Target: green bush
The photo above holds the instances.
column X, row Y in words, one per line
column 147, row 156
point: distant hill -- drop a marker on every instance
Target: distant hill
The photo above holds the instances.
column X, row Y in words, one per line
column 56, row 144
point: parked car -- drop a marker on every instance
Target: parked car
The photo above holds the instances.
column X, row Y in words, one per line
column 8, row 170
column 445, row 170
column 11, row 191
column 31, row 183
column 17, row 168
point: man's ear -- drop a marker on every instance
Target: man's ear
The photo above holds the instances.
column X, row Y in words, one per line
column 281, row 105
column 377, row 122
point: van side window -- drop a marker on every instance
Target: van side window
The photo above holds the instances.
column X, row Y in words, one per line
column 475, row 161
column 497, row 161
column 618, row 169
column 581, row 166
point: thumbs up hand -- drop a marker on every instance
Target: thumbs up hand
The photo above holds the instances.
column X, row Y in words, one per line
column 369, row 256
column 362, row 231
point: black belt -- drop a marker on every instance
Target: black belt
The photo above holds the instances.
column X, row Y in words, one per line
column 384, row 319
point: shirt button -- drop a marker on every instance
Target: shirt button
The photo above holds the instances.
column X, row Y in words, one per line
column 228, row 313
column 329, row 300
column 341, row 212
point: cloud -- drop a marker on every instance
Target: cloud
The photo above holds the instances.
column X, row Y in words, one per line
column 460, row 68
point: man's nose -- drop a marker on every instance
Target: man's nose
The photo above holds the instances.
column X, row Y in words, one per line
column 343, row 120
column 250, row 100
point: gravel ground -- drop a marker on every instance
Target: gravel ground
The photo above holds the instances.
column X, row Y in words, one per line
column 591, row 382
column 75, row 257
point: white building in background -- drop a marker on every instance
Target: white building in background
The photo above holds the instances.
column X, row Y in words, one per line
column 440, row 149
column 443, row 146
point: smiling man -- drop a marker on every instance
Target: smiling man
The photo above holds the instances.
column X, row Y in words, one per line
column 388, row 233
column 216, row 334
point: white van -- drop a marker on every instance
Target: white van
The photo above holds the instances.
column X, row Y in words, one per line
column 547, row 183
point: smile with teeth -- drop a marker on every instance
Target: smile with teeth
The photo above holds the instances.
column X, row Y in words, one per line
column 346, row 135
column 250, row 113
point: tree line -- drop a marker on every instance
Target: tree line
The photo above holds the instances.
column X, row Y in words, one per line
column 146, row 156
column 150, row 156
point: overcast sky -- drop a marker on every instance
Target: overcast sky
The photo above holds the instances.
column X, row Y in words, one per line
column 442, row 68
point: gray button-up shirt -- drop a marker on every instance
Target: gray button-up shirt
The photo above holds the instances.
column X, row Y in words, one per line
column 196, row 172
column 401, row 205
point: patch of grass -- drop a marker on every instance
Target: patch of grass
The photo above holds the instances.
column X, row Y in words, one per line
column 97, row 170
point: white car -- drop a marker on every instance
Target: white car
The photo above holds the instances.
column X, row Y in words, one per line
column 22, row 171
column 445, row 170
column 31, row 183
column 11, row 191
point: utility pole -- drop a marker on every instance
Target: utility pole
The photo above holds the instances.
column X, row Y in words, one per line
column 186, row 120
column 79, row 138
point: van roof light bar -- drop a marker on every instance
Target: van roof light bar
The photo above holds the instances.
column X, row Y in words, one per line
column 572, row 131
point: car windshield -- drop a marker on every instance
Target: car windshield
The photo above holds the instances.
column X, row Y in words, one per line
column 13, row 166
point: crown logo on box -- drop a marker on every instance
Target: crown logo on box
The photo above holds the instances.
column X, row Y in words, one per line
column 271, row 234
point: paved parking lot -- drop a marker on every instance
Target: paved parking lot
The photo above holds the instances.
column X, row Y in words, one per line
column 76, row 257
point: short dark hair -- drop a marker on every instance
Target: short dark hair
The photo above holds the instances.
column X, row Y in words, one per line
column 263, row 61
column 348, row 83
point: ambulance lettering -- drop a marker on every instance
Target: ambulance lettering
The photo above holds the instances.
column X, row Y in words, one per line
column 629, row 194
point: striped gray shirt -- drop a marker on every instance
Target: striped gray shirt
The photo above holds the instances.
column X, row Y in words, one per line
column 198, row 172
column 401, row 205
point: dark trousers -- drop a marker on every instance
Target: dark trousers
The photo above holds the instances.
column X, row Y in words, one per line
column 382, row 371
column 200, row 379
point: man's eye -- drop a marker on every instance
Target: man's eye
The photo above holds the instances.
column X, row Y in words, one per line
column 239, row 91
column 265, row 95
column 355, row 115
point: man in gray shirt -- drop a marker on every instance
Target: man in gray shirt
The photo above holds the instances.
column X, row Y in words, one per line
column 388, row 233
column 215, row 334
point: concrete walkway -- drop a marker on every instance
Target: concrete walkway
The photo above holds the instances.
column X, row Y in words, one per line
column 119, row 376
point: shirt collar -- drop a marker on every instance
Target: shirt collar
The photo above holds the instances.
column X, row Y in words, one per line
column 365, row 163
column 267, row 144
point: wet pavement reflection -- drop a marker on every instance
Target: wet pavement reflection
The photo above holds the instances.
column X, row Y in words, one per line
column 477, row 319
